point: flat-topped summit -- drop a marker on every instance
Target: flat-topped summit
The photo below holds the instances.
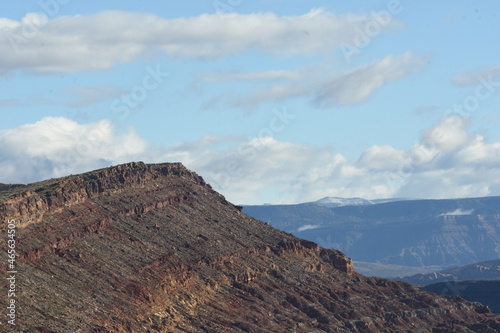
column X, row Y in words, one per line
column 29, row 203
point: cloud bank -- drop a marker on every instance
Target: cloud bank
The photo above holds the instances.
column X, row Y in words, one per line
column 448, row 162
column 78, row 43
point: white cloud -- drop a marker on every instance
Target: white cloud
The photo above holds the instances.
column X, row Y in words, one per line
column 57, row 146
column 452, row 163
column 357, row 85
column 478, row 151
column 322, row 88
column 264, row 169
column 386, row 158
column 475, row 77
column 98, row 41
column 449, row 134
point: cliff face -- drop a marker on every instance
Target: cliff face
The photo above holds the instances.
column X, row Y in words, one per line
column 152, row 248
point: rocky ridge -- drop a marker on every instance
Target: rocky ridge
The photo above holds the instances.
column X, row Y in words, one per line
column 152, row 248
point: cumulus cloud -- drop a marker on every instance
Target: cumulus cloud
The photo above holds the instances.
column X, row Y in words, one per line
column 290, row 169
column 98, row 41
column 384, row 157
column 245, row 171
column 323, row 90
column 451, row 162
column 265, row 169
column 57, row 146
column 478, row 151
column 449, row 134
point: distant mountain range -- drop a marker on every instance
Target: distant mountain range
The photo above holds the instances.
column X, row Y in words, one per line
column 415, row 233
column 486, row 270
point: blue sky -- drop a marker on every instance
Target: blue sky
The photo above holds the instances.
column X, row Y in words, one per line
column 270, row 101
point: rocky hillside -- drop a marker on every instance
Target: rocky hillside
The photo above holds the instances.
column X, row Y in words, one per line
column 152, row 248
column 485, row 292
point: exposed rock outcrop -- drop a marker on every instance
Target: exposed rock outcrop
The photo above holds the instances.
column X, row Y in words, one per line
column 29, row 204
column 152, row 248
